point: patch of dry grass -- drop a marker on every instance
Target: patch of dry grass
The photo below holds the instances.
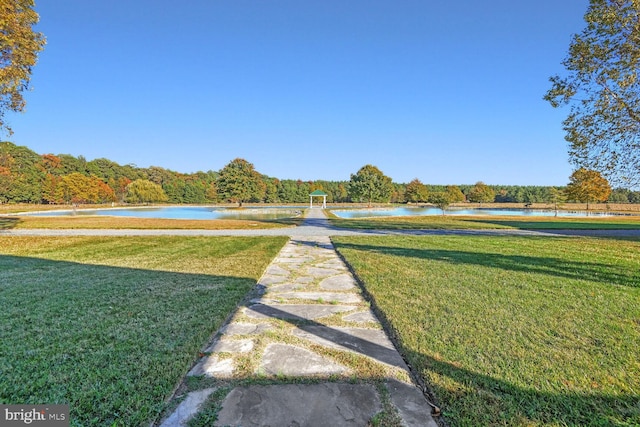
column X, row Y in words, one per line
column 102, row 222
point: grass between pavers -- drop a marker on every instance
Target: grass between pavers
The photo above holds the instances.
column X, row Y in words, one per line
column 110, row 325
column 450, row 222
column 518, row 331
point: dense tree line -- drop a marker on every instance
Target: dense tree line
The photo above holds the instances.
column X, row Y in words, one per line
column 28, row 177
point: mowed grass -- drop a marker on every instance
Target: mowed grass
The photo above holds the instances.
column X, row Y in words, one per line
column 451, row 222
column 103, row 222
column 517, row 331
column 110, row 325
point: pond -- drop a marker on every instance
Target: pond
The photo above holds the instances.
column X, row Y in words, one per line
column 186, row 212
column 409, row 211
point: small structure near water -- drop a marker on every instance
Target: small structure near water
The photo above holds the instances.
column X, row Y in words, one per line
column 318, row 193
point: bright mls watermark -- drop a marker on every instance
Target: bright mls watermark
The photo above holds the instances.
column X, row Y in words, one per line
column 34, row 415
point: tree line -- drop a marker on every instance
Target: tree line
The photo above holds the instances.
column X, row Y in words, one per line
column 28, row 177
column 600, row 86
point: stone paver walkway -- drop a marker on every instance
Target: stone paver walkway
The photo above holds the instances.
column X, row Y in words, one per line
column 312, row 334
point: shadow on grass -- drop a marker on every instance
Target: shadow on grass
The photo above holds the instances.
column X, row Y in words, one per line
column 472, row 398
column 111, row 342
column 484, row 400
column 7, row 223
column 593, row 271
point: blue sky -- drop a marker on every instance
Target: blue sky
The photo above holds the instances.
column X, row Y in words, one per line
column 447, row 92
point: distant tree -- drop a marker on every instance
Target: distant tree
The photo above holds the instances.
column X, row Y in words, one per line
column 557, row 196
column 634, row 197
column 587, row 186
column 454, row 194
column 78, row 188
column 370, row 184
column 211, row 192
column 23, row 173
column 271, row 190
column 145, row 191
column 416, row 192
column 619, row 195
column 19, row 48
column 343, row 194
column 603, row 90
column 239, row 182
column 481, row 193
column 441, row 199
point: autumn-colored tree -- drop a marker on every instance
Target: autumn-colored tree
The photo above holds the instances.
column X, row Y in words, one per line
column 51, row 164
column 19, row 48
column 454, row 194
column 145, row 191
column 73, row 188
column 481, row 193
column 416, row 192
column 105, row 193
column 587, row 186
column 120, row 188
column 211, row 192
column 239, row 182
column 50, row 189
column 370, row 184
column 602, row 88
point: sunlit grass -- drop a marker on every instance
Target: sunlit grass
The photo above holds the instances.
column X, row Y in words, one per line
column 450, row 222
column 106, row 222
column 510, row 330
column 110, row 325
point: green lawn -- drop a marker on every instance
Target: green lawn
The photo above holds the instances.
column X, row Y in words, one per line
column 512, row 330
column 110, row 325
column 450, row 222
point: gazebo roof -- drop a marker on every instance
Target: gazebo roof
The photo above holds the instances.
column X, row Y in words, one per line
column 318, row 193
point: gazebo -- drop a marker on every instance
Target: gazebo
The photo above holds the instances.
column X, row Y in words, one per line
column 318, row 193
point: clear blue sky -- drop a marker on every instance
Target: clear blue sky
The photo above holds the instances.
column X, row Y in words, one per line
column 447, row 92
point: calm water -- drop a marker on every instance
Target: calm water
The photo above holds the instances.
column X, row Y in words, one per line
column 187, row 212
column 376, row 212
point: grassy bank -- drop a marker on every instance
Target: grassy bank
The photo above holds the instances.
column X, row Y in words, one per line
column 102, row 222
column 450, row 222
column 513, row 331
column 110, row 325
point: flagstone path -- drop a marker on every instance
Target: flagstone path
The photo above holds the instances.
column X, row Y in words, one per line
column 313, row 351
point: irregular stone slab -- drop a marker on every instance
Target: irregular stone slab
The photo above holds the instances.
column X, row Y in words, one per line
column 284, row 288
column 245, row 328
column 333, row 264
column 295, row 311
column 276, row 270
column 271, row 280
column 361, row 317
column 318, row 405
column 291, row 360
column 231, row 346
column 411, row 404
column 325, row 296
column 341, row 282
column 372, row 343
column 304, row 280
column 187, row 408
column 214, row 367
column 321, row 272
column 293, row 260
